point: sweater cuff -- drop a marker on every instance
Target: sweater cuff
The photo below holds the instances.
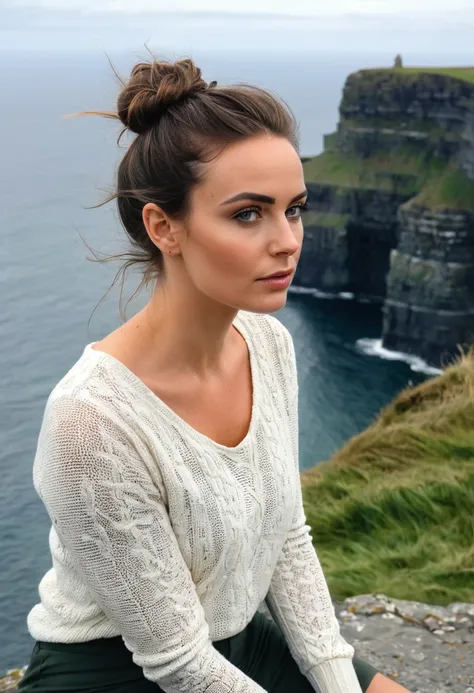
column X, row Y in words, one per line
column 335, row 676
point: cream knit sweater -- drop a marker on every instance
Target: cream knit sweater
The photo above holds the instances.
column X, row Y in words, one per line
column 171, row 540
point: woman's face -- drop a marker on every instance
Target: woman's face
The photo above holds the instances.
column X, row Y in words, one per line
column 245, row 224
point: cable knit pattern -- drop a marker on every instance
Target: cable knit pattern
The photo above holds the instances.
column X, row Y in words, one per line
column 171, row 540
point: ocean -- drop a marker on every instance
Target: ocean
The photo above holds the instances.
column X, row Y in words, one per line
column 51, row 170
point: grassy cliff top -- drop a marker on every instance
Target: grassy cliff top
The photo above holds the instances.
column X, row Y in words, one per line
column 452, row 190
column 327, row 219
column 406, row 170
column 392, row 511
column 465, row 74
column 428, row 181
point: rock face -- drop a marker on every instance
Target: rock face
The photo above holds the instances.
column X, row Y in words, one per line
column 467, row 150
column 430, row 291
column 393, row 201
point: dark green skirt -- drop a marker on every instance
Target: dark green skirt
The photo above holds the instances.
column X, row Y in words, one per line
column 106, row 666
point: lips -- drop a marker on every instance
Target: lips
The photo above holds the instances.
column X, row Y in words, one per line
column 277, row 274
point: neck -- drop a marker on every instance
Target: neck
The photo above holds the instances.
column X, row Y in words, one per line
column 187, row 330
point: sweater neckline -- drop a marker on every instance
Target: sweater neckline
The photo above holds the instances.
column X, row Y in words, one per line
column 240, row 324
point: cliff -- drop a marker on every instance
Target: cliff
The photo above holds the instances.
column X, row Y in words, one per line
column 391, row 512
column 393, row 206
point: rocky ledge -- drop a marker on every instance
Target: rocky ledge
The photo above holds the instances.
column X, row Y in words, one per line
column 428, row 649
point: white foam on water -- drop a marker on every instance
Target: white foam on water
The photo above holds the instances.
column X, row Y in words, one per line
column 344, row 295
column 373, row 347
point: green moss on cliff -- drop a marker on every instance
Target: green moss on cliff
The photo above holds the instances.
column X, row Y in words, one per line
column 404, row 173
column 332, row 168
column 465, row 74
column 408, row 75
column 392, row 511
column 450, row 190
column 327, row 219
column 405, row 130
column 422, row 126
column 428, row 180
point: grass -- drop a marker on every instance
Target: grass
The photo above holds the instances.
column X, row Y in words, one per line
column 392, row 512
column 326, row 219
column 332, row 168
column 429, row 181
column 404, row 172
column 466, row 74
column 451, row 190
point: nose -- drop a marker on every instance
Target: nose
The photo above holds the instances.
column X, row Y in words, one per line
column 286, row 238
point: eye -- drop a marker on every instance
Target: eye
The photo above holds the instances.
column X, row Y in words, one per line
column 248, row 216
column 296, row 211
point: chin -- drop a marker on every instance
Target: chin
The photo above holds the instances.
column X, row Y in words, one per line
column 265, row 304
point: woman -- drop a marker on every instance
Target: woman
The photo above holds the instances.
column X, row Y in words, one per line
column 168, row 455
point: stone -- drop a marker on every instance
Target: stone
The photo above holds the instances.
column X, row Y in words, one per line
column 398, row 639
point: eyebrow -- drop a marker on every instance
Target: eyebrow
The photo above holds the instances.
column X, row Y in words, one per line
column 256, row 197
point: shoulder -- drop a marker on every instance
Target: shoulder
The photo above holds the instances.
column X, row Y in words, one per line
column 91, row 393
column 269, row 332
column 79, row 376
column 89, row 429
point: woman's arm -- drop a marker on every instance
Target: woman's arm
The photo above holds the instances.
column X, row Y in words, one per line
column 113, row 522
column 299, row 598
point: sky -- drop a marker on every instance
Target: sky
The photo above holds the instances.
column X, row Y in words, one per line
column 313, row 8
column 440, row 26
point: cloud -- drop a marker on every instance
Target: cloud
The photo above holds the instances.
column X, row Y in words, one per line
column 313, row 8
column 301, row 25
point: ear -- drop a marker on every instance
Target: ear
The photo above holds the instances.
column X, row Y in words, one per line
column 161, row 229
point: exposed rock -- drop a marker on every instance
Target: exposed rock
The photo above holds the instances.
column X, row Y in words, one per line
column 467, row 152
column 9, row 683
column 428, row 649
column 430, row 285
column 349, row 224
column 326, row 258
column 403, row 96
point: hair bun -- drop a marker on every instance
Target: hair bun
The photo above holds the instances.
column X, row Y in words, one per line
column 154, row 87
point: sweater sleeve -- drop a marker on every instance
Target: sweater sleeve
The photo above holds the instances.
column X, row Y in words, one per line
column 299, row 598
column 114, row 524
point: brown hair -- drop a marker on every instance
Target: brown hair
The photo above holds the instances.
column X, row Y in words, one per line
column 179, row 119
